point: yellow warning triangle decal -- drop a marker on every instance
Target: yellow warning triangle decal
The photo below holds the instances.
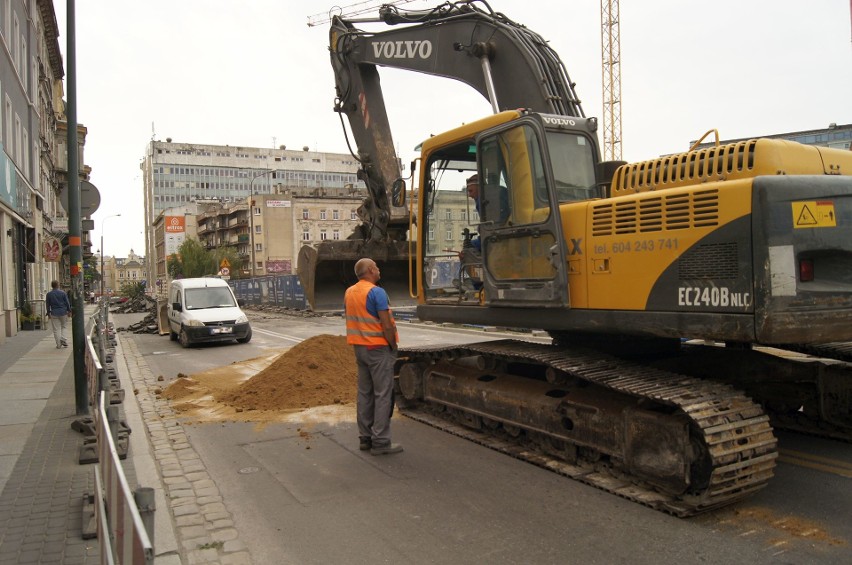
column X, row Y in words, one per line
column 806, row 218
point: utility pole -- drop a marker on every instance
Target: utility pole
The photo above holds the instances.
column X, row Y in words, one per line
column 75, row 225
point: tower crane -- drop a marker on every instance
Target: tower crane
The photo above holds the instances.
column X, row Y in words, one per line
column 611, row 79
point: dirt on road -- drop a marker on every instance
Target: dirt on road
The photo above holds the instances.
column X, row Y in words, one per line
column 316, row 376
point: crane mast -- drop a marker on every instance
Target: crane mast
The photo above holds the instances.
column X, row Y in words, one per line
column 611, row 79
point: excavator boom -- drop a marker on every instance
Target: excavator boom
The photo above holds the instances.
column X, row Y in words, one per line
column 508, row 64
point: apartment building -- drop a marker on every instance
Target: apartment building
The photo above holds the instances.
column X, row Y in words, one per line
column 182, row 174
column 31, row 108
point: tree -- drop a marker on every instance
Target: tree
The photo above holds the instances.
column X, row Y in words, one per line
column 192, row 260
column 132, row 290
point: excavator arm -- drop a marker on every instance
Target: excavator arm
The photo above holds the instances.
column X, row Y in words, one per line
column 508, row 64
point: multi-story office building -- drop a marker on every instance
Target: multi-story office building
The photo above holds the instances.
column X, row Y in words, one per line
column 31, row 107
column 180, row 174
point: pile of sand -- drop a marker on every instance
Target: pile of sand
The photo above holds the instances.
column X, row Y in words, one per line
column 319, row 372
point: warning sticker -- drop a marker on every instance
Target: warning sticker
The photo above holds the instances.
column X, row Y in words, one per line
column 814, row 214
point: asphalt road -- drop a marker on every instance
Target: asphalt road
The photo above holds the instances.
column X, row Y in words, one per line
column 314, row 498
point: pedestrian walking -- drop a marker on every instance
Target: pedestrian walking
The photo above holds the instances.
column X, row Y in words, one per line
column 58, row 310
column 371, row 329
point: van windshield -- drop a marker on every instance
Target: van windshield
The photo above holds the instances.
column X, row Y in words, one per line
column 209, row 297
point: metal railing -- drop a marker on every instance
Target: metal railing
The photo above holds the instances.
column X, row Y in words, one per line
column 121, row 519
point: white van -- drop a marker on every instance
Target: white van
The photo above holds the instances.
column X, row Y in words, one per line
column 205, row 310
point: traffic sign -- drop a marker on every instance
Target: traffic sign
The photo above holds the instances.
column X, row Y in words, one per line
column 225, row 264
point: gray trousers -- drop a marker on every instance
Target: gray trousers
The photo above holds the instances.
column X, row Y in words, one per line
column 57, row 324
column 375, row 388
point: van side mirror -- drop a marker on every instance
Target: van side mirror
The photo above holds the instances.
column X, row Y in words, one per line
column 241, row 302
column 177, row 307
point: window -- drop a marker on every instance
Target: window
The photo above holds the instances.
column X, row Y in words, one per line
column 431, row 233
column 335, row 214
column 353, row 215
column 448, row 214
column 322, row 214
column 305, row 214
column 323, row 235
column 335, row 234
column 256, row 211
column 463, row 214
column 18, row 138
column 449, row 235
column 257, row 229
column 8, row 116
column 306, row 235
column 258, row 247
column 23, row 64
column 16, row 33
column 26, row 155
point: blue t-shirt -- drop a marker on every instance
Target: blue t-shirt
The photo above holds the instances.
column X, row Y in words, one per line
column 377, row 301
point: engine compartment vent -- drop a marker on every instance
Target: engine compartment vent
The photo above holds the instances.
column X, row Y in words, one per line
column 704, row 165
column 684, row 210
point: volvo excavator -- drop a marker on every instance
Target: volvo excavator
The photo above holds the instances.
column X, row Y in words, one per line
column 693, row 301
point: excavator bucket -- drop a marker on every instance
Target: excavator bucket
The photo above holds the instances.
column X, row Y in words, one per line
column 326, row 271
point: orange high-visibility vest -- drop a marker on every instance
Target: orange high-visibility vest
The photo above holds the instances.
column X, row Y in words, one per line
column 362, row 328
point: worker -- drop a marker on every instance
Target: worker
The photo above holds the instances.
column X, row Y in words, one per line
column 371, row 329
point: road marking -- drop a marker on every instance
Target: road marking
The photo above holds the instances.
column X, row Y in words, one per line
column 279, row 335
column 816, row 462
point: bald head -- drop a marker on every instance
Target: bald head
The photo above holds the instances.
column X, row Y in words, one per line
column 365, row 267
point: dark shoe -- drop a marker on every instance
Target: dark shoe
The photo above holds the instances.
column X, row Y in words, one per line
column 64, row 345
column 365, row 443
column 386, row 450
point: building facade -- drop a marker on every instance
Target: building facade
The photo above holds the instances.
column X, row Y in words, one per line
column 180, row 174
column 130, row 269
column 31, row 107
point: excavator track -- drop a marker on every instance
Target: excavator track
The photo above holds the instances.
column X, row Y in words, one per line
column 809, row 391
column 733, row 435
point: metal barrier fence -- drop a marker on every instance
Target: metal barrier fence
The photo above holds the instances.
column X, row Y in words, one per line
column 122, row 521
column 122, row 534
column 278, row 290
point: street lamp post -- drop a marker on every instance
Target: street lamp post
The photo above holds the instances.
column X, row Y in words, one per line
column 102, row 250
column 251, row 215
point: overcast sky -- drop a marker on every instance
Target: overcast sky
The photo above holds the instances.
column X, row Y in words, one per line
column 253, row 73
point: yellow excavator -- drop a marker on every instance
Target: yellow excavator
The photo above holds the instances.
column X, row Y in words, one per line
column 675, row 290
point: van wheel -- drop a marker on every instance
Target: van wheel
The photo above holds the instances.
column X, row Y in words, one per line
column 245, row 339
column 183, row 337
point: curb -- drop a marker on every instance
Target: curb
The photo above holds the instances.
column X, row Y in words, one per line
column 198, row 528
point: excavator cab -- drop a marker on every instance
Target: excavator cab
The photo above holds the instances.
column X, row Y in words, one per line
column 527, row 164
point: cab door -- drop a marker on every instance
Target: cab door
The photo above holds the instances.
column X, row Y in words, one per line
column 523, row 251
